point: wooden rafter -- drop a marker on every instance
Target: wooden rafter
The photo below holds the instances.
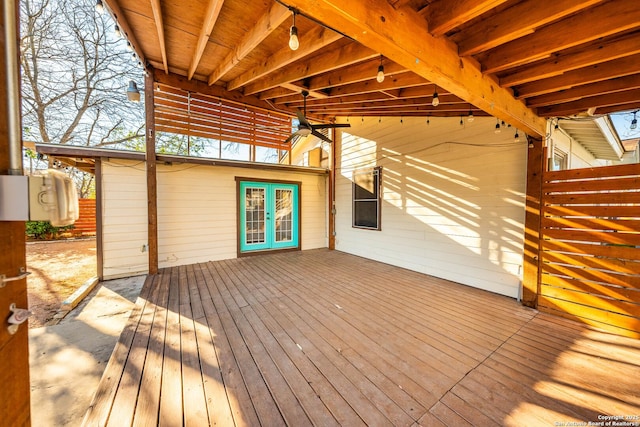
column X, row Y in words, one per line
column 210, row 18
column 119, row 17
column 605, row 71
column 157, row 17
column 585, row 56
column 490, row 33
column 357, row 73
column 445, row 15
column 584, row 27
column 401, row 35
column 331, row 60
column 271, row 20
column 627, row 96
column 619, row 84
column 299, row 89
column 312, row 42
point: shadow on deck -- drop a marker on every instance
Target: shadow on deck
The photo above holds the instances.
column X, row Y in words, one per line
column 325, row 338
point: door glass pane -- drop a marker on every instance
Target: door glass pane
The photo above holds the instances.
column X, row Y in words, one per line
column 283, row 219
column 254, row 209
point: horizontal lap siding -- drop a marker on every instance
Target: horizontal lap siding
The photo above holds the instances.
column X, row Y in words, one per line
column 453, row 199
column 124, row 219
column 591, row 246
column 197, row 211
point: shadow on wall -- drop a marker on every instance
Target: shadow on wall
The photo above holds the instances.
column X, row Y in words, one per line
column 453, row 198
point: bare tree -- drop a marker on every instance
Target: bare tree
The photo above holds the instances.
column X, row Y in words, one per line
column 75, row 71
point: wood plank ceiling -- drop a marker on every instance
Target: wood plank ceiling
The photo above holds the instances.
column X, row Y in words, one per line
column 518, row 60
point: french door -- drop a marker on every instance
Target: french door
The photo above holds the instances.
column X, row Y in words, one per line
column 268, row 216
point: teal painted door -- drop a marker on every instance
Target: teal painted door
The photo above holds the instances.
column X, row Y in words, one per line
column 268, row 216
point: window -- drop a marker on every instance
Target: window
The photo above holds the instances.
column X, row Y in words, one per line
column 559, row 160
column 366, row 198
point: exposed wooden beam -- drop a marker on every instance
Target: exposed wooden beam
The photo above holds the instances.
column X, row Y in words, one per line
column 311, row 42
column 299, row 89
column 356, row 73
column 271, row 20
column 607, row 100
column 335, row 58
column 402, row 36
column 157, row 19
column 590, row 24
column 582, row 56
column 276, row 92
column 595, row 73
column 445, row 15
column 389, row 105
column 606, row 86
column 119, row 17
column 210, row 18
column 620, row 107
column 510, row 25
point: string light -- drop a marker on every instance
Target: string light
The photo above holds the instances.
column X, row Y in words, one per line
column 116, row 30
column 634, row 122
column 294, row 43
column 470, row 118
column 435, row 101
column 497, row 126
column 428, row 121
column 99, row 7
column 380, row 75
column 461, row 122
column 516, row 137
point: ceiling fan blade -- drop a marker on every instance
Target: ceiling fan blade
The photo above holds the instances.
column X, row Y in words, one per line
column 302, row 119
column 332, row 126
column 293, row 135
column 321, row 136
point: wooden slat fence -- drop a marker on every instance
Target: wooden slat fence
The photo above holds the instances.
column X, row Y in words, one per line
column 86, row 223
column 590, row 247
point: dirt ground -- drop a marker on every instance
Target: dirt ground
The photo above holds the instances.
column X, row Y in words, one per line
column 57, row 269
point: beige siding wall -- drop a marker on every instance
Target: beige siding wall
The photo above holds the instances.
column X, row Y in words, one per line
column 453, row 198
column 124, row 219
column 197, row 213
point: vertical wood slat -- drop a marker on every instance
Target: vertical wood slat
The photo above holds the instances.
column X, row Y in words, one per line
column 591, row 247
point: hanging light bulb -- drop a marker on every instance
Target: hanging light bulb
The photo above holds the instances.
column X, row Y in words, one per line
column 129, row 46
column 470, row 117
column 99, row 7
column 116, row 30
column 294, row 43
column 498, row 127
column 516, row 137
column 461, row 121
column 380, row 75
column 435, row 101
column 428, row 121
column 634, row 122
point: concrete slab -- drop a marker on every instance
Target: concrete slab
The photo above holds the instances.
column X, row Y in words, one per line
column 67, row 360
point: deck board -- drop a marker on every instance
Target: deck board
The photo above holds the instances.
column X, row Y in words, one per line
column 324, row 338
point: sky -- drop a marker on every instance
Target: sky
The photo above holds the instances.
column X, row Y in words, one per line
column 622, row 123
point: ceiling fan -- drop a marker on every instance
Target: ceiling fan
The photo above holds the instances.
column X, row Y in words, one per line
column 305, row 127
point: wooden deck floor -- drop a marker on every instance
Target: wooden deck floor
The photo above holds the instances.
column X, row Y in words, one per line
column 324, row 338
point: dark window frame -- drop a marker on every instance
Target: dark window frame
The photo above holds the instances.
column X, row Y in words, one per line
column 362, row 198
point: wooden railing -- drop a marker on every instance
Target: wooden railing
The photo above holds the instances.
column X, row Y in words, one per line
column 590, row 247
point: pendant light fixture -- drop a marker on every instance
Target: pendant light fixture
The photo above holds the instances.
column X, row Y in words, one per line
column 498, row 126
column 435, row 101
column 380, row 75
column 117, row 31
column 294, row 43
column 516, row 137
column 133, row 93
column 470, row 117
column 99, row 7
column 634, row 122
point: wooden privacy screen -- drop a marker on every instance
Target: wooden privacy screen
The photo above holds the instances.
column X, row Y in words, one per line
column 590, row 247
column 181, row 112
